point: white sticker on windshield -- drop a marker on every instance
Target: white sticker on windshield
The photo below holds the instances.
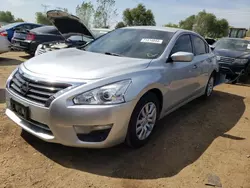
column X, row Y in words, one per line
column 154, row 41
column 248, row 46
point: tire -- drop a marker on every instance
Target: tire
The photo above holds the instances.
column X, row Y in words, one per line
column 244, row 78
column 133, row 138
column 209, row 87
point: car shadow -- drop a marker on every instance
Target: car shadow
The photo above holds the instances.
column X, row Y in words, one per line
column 28, row 56
column 2, row 95
column 8, row 61
column 178, row 141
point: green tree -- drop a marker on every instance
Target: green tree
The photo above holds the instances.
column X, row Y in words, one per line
column 171, row 25
column 19, row 20
column 138, row 16
column 85, row 12
column 206, row 24
column 104, row 12
column 120, row 25
column 221, row 28
column 248, row 33
column 41, row 18
column 188, row 23
column 6, row 17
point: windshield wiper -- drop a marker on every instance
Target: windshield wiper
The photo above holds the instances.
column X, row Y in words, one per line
column 110, row 53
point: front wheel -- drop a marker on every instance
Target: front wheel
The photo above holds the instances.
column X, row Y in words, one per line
column 143, row 121
column 210, row 87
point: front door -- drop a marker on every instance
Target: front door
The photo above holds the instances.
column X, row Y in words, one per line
column 181, row 77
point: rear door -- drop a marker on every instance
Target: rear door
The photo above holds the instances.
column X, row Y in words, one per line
column 203, row 60
column 182, row 76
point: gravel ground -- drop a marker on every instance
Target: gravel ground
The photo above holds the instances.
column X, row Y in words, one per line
column 201, row 138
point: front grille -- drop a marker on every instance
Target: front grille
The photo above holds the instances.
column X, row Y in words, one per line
column 225, row 59
column 39, row 92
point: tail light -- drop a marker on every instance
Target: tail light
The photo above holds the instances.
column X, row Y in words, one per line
column 30, row 36
column 4, row 33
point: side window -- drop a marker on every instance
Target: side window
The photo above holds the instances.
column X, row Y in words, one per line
column 20, row 27
column 28, row 27
column 199, row 46
column 32, row 26
column 54, row 32
column 183, row 44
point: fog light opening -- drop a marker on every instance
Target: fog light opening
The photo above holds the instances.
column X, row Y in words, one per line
column 96, row 133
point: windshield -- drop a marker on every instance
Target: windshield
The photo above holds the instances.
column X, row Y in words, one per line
column 233, row 44
column 135, row 43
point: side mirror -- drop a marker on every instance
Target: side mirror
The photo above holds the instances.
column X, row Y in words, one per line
column 182, row 57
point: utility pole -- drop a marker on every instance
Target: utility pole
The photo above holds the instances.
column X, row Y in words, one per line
column 45, row 7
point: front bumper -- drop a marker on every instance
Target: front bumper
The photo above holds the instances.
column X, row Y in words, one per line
column 232, row 69
column 57, row 123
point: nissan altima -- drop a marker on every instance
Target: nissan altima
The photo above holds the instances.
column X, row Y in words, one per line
column 113, row 90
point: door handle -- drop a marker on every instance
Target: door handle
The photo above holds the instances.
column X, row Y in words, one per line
column 195, row 67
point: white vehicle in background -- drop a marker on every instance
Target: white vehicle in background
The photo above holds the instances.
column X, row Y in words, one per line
column 100, row 31
column 4, row 44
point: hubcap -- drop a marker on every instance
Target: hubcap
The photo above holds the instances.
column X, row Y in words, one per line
column 146, row 121
column 210, row 86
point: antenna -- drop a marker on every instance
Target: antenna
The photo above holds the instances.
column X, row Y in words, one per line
column 45, row 7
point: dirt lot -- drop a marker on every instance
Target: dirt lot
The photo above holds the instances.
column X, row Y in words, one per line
column 202, row 138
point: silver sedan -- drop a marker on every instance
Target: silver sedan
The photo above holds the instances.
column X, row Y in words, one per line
column 113, row 90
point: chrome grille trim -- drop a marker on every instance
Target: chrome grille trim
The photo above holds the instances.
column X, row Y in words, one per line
column 36, row 91
column 226, row 59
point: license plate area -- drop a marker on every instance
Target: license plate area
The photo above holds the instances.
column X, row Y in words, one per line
column 21, row 110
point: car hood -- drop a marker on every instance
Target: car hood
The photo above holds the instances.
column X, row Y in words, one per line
column 232, row 53
column 68, row 23
column 78, row 64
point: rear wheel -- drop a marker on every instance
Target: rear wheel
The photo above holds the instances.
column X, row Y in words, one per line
column 143, row 121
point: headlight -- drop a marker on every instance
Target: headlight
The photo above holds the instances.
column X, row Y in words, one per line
column 109, row 94
column 240, row 61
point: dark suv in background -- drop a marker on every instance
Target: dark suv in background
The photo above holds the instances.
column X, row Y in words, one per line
column 233, row 55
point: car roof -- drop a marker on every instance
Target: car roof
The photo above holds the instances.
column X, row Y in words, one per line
column 158, row 28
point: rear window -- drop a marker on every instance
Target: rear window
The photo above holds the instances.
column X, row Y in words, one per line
column 8, row 26
column 46, row 30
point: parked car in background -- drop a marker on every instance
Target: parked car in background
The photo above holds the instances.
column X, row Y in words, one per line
column 233, row 55
column 28, row 41
column 4, row 44
column 74, row 31
column 9, row 29
column 100, row 31
column 112, row 90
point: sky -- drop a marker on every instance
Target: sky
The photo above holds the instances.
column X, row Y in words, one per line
column 237, row 12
